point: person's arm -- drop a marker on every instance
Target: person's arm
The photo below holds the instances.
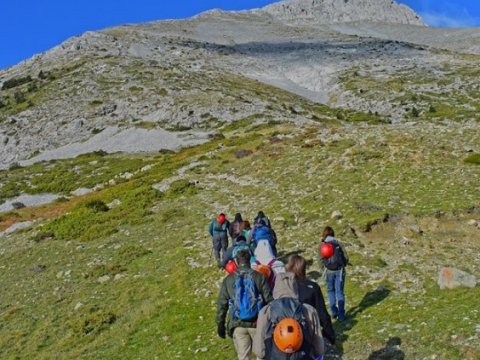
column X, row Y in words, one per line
column 347, row 260
column 210, row 228
column 258, row 346
column 318, row 347
column 227, row 257
column 323, row 315
column 222, row 303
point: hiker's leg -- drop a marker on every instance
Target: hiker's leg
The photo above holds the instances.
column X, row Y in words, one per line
column 224, row 244
column 340, row 294
column 242, row 342
column 331, row 293
column 217, row 245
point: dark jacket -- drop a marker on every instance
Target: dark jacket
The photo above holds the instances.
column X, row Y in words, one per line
column 310, row 293
column 227, row 292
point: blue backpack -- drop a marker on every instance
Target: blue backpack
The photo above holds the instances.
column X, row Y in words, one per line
column 248, row 301
column 262, row 233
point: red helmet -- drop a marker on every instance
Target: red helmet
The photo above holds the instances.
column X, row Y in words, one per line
column 288, row 335
column 221, row 218
column 326, row 250
column 230, row 267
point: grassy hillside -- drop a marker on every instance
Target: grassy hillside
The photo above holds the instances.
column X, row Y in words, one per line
column 135, row 281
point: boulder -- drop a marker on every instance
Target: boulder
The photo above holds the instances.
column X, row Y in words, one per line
column 450, row 278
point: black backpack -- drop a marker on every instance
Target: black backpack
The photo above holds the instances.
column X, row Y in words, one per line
column 287, row 308
column 337, row 260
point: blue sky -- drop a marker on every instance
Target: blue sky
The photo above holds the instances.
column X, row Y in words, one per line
column 28, row 27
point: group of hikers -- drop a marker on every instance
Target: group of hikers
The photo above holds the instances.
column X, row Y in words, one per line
column 270, row 308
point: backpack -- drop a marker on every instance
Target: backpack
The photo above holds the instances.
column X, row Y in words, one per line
column 247, row 301
column 337, row 260
column 220, row 227
column 262, row 233
column 287, row 308
column 267, row 272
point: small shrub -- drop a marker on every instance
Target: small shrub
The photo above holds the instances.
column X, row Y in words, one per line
column 19, row 97
column 415, row 112
column 14, row 82
column 432, row 109
column 473, row 159
column 243, row 153
column 96, row 206
column 98, row 321
column 43, row 236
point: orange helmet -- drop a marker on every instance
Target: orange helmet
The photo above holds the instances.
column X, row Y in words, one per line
column 264, row 270
column 288, row 336
column 221, row 218
column 326, row 250
column 230, row 267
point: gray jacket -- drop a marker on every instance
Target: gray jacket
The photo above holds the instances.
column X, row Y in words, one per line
column 286, row 286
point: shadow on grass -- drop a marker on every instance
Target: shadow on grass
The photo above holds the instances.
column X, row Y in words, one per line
column 342, row 327
column 390, row 351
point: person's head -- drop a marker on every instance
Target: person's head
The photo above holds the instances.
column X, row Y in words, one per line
column 240, row 239
column 238, row 217
column 328, row 231
column 261, row 214
column 243, row 258
column 221, row 218
column 297, row 265
column 245, row 225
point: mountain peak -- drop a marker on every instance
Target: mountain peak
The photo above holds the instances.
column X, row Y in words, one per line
column 340, row 11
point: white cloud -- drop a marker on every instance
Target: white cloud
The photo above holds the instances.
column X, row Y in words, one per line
column 451, row 21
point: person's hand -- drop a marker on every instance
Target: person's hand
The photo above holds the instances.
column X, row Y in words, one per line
column 221, row 330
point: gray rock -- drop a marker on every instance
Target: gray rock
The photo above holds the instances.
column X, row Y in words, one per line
column 337, row 215
column 103, row 279
column 450, row 278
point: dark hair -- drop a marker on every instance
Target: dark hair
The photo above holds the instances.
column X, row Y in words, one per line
column 328, row 231
column 243, row 257
column 240, row 238
column 296, row 264
column 261, row 214
column 238, row 217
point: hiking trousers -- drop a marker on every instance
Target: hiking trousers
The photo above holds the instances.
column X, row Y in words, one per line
column 336, row 292
column 220, row 245
column 242, row 340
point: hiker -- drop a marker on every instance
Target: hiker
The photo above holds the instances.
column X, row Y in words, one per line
column 262, row 232
column 246, row 228
column 261, row 216
column 241, row 296
column 235, row 228
column 286, row 328
column 239, row 244
column 334, row 265
column 309, row 293
column 266, row 262
column 218, row 230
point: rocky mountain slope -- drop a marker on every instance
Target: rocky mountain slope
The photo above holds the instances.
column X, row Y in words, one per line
column 131, row 139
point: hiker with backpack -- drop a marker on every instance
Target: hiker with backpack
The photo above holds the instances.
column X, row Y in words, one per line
column 246, row 229
column 261, row 216
column 286, row 328
column 310, row 293
column 239, row 244
column 262, row 232
column 235, row 228
column 243, row 293
column 335, row 259
column 218, row 230
column 266, row 262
